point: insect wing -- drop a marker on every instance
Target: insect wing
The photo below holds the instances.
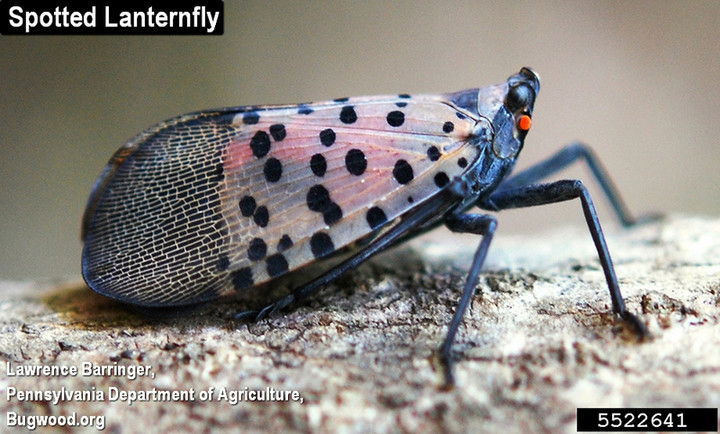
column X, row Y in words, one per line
column 217, row 201
column 151, row 228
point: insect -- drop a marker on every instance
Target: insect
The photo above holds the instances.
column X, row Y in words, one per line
column 221, row 201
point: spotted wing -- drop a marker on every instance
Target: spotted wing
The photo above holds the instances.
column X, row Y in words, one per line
column 219, row 201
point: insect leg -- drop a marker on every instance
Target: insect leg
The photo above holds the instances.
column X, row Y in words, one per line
column 559, row 191
column 564, row 158
column 479, row 224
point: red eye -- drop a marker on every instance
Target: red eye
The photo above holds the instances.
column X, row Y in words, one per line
column 524, row 123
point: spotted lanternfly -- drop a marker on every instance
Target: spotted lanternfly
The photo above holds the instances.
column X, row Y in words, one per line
column 221, row 201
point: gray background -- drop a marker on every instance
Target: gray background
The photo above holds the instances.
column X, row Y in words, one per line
column 639, row 81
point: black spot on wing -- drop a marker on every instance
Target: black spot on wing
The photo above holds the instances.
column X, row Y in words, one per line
column 303, row 109
column 441, row 179
column 272, row 170
column 433, row 153
column 355, row 162
column 242, row 278
column 257, row 249
column 276, row 265
column 318, row 165
column 327, row 137
column 395, row 118
column 376, row 217
column 348, row 115
column 247, row 206
column 260, row 144
column 403, row 172
column 251, row 118
column 278, row 132
column 285, row 243
column 261, row 217
column 321, row 244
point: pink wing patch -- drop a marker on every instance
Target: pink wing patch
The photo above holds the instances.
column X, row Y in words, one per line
column 301, row 183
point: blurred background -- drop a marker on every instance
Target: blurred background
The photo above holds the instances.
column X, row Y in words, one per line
column 638, row 81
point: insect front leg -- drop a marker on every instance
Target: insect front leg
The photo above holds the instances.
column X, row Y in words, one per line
column 564, row 158
column 479, row 224
column 559, row 191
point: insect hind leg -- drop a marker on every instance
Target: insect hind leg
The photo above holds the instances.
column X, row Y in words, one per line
column 563, row 190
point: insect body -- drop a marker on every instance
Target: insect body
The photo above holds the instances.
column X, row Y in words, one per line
column 220, row 201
